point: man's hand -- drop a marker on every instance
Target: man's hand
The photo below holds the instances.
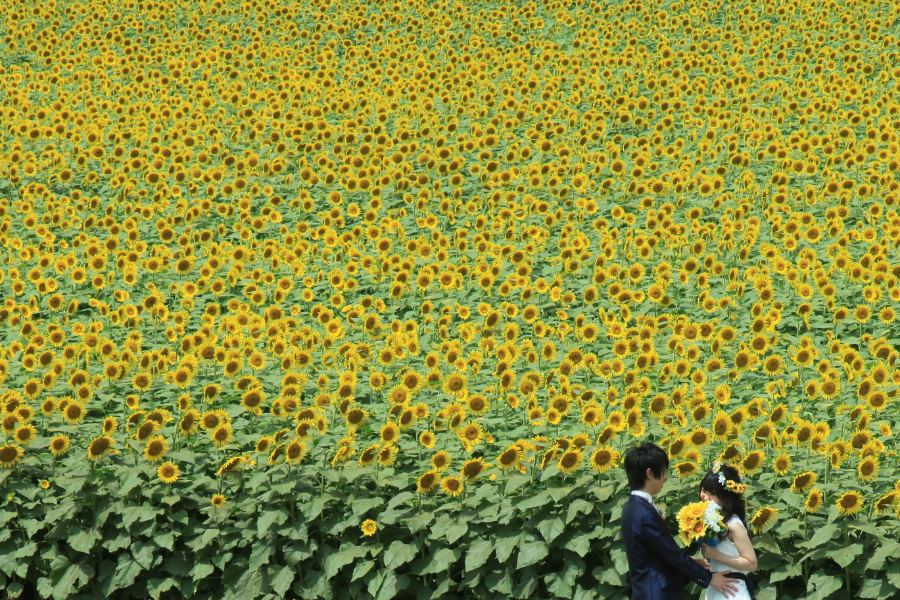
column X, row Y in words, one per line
column 724, row 584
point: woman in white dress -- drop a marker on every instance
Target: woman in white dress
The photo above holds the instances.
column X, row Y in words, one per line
column 734, row 551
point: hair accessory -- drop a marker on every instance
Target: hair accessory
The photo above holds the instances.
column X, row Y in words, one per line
column 716, row 469
column 737, row 488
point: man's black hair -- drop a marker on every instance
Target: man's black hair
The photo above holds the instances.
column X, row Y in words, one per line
column 640, row 458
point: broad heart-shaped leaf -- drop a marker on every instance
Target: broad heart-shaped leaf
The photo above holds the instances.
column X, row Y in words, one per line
column 399, row 553
column 260, row 555
column 515, row 482
column 155, row 587
column 344, row 557
column 84, row 540
column 143, row 553
column 527, row 585
column 620, row 559
column 505, row 543
column 530, row 553
column 578, row 506
column 66, row 577
column 877, row 588
column 391, row 585
column 454, row 532
column 265, row 521
column 419, row 522
column 361, row 569
column 893, row 574
column 824, row 585
column 282, row 580
column 550, row 528
column 822, row 535
column 535, row 501
column 478, row 553
column 560, row 584
column 886, row 550
column 784, row 572
column 846, row 554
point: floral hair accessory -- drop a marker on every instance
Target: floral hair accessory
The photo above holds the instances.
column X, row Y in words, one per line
column 716, row 469
column 734, row 486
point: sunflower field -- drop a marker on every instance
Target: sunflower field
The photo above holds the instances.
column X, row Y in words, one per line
column 367, row 299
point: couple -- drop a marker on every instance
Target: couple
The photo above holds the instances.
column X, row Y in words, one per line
column 658, row 568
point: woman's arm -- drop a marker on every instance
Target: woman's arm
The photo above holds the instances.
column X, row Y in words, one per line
column 747, row 559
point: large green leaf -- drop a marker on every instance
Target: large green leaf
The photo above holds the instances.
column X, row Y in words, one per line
column 478, row 553
column 399, row 553
column 530, row 553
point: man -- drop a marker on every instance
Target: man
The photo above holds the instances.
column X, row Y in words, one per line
column 658, row 568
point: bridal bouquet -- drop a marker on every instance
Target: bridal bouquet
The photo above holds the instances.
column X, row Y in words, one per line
column 700, row 521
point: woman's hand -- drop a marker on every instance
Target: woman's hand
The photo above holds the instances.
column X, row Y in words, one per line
column 701, row 561
column 709, row 553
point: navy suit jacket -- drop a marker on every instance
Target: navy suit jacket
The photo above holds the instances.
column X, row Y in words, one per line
column 657, row 567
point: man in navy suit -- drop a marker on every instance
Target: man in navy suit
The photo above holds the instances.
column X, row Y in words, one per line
column 658, row 568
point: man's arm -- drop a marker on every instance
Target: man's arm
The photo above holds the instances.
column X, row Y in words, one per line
column 657, row 539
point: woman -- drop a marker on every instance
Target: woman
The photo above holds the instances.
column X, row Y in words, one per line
column 734, row 551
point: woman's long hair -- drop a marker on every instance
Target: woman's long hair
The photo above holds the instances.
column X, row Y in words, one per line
column 733, row 504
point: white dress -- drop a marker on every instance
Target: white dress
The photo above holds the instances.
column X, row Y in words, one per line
column 728, row 548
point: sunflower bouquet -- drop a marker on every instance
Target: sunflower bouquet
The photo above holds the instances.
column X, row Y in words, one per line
column 700, row 522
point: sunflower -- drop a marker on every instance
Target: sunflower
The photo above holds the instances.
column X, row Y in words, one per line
column 470, row 434
column 687, row 469
column 100, row 446
column 25, row 434
column 156, row 448
column 231, row 465
column 441, row 460
column 763, row 520
column 10, row 455
column 454, row 384
column 813, row 501
column 390, row 434
column 387, row 455
column 168, row 472
column 867, row 468
column 473, row 468
column 849, row 503
column 369, row 455
column 213, row 419
column 222, row 435
column 74, row 413
column 452, row 486
column 570, row 461
column 59, row 445
column 427, row 439
column 188, row 423
column 886, row 501
column 295, row 452
column 803, row 482
column 782, row 464
column 752, row 462
column 603, row 459
column 218, row 500
column 510, row 457
column 477, row 404
column 357, row 417
column 369, row 527
column 427, row 482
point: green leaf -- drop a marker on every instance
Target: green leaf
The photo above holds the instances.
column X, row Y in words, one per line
column 143, row 553
column 202, row 571
column 824, row 585
column 155, row 587
column 784, row 572
column 201, row 541
column 846, row 554
column 266, row 521
column 398, row 554
column 535, row 501
column 335, row 562
column 551, row 528
column 478, row 553
column 560, row 584
column 620, row 560
column 886, row 550
column 515, row 482
column 441, row 560
column 822, row 535
column 165, row 540
column 282, row 581
column 576, row 507
column 84, row 540
column 259, row 556
column 66, row 578
column 391, row 585
column 530, row 553
column 454, row 532
column 504, row 544
column 419, row 522
column 526, row 586
column 363, row 505
column 361, row 569
column 877, row 588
